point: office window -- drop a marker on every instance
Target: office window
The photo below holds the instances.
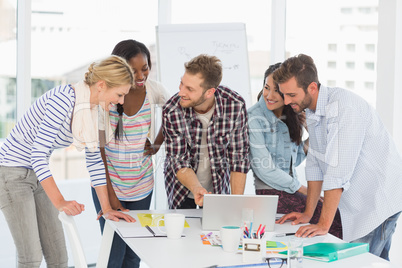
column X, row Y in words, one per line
column 332, row 47
column 59, row 55
column 369, row 65
column 350, row 84
column 342, row 40
column 331, row 65
column 350, row 65
column 351, row 47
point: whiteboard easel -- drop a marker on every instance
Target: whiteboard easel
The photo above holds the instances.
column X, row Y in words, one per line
column 179, row 43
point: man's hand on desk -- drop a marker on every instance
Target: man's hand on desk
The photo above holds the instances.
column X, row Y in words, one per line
column 198, row 193
column 295, row 217
column 311, row 230
column 115, row 215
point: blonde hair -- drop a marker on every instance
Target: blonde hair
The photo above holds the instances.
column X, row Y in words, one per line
column 114, row 70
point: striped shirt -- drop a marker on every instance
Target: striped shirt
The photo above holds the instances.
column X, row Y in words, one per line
column 46, row 126
column 227, row 140
column 350, row 148
column 130, row 171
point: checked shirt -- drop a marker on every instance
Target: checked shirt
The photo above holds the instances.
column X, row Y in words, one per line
column 227, row 139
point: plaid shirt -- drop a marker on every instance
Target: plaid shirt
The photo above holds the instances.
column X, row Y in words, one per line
column 227, row 139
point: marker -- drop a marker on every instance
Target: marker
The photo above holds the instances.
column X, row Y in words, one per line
column 284, row 234
column 263, row 231
column 259, row 231
column 251, row 229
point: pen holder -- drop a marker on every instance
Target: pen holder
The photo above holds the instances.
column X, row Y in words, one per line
column 254, row 249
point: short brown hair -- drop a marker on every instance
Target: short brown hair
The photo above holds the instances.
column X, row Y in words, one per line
column 301, row 67
column 210, row 68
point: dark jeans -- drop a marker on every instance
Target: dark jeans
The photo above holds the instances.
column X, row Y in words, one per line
column 297, row 202
column 188, row 203
column 122, row 255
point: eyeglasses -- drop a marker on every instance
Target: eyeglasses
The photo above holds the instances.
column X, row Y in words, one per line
column 273, row 262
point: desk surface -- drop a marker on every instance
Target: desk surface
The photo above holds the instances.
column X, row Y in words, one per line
column 190, row 252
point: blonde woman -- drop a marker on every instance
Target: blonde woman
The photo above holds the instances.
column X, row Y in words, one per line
column 29, row 196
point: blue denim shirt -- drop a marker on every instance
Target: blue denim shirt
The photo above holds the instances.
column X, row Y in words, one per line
column 271, row 150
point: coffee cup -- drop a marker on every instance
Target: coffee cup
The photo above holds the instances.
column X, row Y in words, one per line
column 230, row 237
column 174, row 225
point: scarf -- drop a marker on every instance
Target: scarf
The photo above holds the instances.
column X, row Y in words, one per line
column 85, row 120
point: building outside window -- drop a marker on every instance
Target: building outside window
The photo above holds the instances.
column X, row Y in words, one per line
column 350, row 65
column 350, row 85
column 332, row 47
column 351, row 47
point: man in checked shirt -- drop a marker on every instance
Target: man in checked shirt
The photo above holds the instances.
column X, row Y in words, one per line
column 206, row 137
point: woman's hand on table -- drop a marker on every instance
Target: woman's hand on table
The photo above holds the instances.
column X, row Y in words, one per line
column 115, row 215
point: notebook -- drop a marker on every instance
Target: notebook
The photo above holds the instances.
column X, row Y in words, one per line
column 139, row 232
column 220, row 210
column 329, row 252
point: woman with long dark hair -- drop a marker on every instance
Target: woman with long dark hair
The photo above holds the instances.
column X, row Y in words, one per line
column 276, row 149
column 130, row 144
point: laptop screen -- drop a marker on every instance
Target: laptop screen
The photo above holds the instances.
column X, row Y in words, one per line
column 220, row 210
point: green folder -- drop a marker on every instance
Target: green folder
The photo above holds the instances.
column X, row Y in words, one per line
column 329, row 252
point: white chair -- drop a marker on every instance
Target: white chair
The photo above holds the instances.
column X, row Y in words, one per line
column 72, row 233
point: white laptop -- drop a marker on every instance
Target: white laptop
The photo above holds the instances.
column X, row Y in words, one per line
column 220, row 210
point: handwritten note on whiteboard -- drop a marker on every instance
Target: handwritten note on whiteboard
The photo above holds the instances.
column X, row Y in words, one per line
column 178, row 43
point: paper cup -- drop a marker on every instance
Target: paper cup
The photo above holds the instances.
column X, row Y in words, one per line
column 230, row 236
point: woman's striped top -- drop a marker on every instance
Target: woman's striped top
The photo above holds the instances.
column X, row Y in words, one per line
column 131, row 172
column 46, row 126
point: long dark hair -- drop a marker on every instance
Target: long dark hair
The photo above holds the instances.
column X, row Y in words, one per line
column 292, row 120
column 128, row 49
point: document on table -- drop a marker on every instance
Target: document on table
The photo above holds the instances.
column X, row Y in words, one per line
column 152, row 219
column 139, row 232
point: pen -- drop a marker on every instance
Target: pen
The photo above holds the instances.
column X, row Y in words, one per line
column 263, row 231
column 284, row 234
column 149, row 229
column 100, row 213
column 246, row 233
column 251, row 230
column 258, row 231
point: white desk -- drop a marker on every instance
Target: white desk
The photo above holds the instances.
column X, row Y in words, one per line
column 190, row 252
